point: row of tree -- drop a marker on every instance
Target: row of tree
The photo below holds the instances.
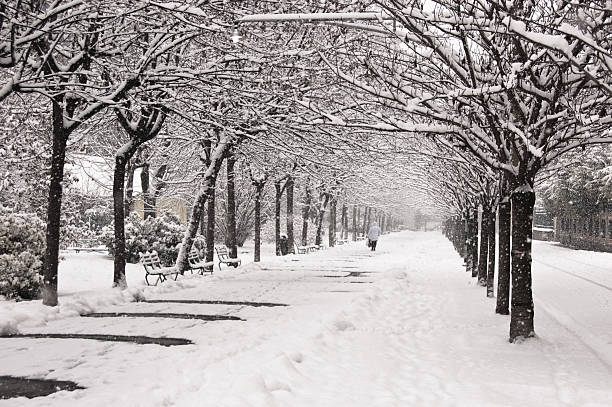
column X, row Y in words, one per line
column 455, row 104
column 506, row 88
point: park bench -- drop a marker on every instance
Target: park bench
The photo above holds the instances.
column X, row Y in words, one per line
column 340, row 240
column 306, row 249
column 86, row 245
column 301, row 249
column 196, row 263
column 152, row 265
column 224, row 258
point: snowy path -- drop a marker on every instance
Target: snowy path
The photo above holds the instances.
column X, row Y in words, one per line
column 413, row 330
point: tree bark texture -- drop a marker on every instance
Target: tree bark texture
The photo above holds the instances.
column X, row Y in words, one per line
column 54, row 206
column 484, row 249
column 231, row 206
column 503, row 268
column 290, row 235
column 491, row 255
column 521, row 316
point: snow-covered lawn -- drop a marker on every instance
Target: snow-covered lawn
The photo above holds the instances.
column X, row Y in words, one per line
column 414, row 330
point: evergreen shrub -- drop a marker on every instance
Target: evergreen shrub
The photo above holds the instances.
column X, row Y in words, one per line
column 162, row 233
column 22, row 250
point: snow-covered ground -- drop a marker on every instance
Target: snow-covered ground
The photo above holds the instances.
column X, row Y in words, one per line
column 414, row 330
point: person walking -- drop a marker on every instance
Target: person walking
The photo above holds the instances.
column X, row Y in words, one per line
column 373, row 235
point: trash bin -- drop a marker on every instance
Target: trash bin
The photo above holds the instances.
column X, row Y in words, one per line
column 284, row 244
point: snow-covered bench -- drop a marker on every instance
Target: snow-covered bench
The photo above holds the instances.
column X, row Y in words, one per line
column 340, row 240
column 224, row 258
column 195, row 263
column 305, row 249
column 152, row 265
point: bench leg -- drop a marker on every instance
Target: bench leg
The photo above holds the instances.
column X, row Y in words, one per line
column 157, row 280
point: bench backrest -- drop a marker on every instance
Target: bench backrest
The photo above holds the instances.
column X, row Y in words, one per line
column 194, row 257
column 222, row 252
column 150, row 260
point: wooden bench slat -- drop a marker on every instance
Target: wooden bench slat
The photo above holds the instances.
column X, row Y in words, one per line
column 196, row 263
column 152, row 265
column 223, row 257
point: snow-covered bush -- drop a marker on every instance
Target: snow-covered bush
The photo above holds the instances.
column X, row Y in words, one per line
column 22, row 249
column 162, row 234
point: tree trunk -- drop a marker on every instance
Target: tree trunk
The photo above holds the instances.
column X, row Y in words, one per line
column 474, row 255
column 345, row 225
column 484, row 248
column 119, row 221
column 355, row 216
column 320, row 216
column 503, row 268
column 491, row 254
column 145, row 183
column 54, row 205
column 231, row 207
column 258, row 193
column 466, row 237
column 343, row 221
column 332, row 222
column 129, row 189
column 158, row 187
column 290, row 235
column 306, row 214
column 277, row 216
column 217, row 156
column 521, row 317
column 364, row 229
column 203, row 224
column 210, row 224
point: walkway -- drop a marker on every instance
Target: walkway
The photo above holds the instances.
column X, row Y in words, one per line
column 403, row 326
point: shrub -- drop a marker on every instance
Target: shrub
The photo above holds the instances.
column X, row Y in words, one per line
column 162, row 234
column 22, row 249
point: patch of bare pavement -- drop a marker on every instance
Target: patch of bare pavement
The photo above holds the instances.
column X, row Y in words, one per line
column 11, row 387
column 161, row 315
column 140, row 340
column 217, row 302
